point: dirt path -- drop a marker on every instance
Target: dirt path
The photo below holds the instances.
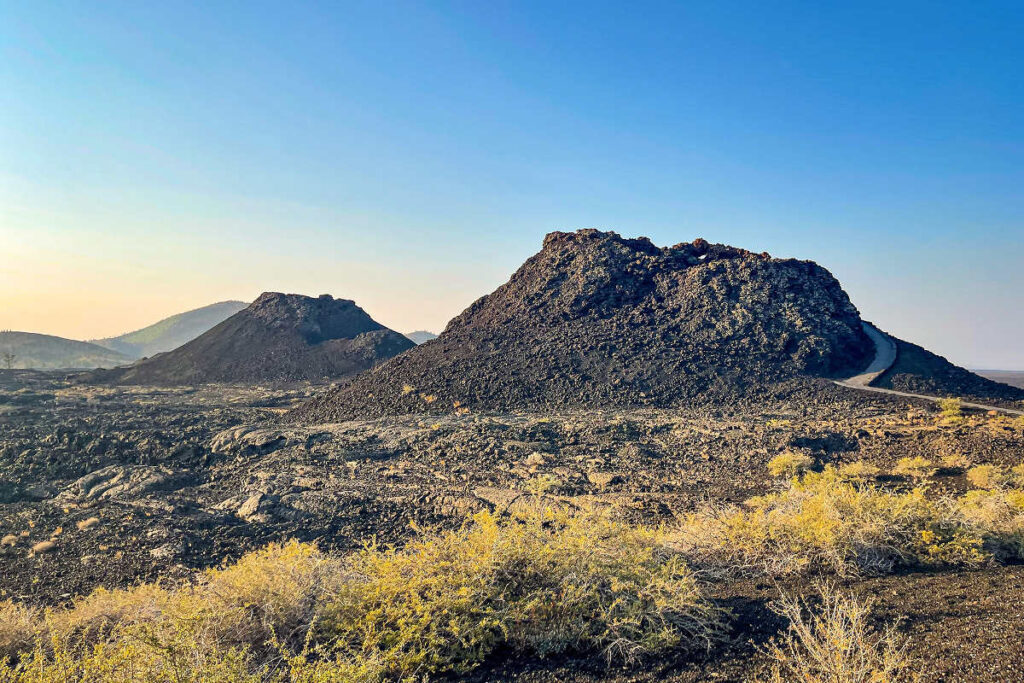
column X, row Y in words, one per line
column 885, row 356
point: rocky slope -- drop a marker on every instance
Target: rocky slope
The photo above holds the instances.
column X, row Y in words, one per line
column 595, row 319
column 172, row 332
column 46, row 352
column 279, row 337
column 920, row 371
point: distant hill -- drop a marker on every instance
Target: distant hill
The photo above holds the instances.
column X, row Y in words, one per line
column 279, row 337
column 1015, row 378
column 919, row 371
column 420, row 336
column 170, row 333
column 46, row 352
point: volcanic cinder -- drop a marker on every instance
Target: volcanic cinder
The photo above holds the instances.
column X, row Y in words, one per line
column 279, row 337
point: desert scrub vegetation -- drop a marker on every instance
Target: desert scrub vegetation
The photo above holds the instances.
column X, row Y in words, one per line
column 789, row 464
column 917, row 467
column 995, row 477
column 17, row 628
column 541, row 484
column 826, row 522
column 956, row 461
column 545, row 582
column 951, row 409
column 832, row 641
column 858, row 470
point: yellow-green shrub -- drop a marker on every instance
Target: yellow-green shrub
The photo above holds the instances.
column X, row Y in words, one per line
column 952, row 408
column 858, row 470
column 987, row 476
column 789, row 464
column 917, row 467
column 994, row 477
column 825, row 521
column 543, row 583
column 997, row 516
column 956, row 461
column 275, row 592
column 224, row 627
column 546, row 583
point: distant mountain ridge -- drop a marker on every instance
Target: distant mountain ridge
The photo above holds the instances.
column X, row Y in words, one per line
column 1015, row 378
column 420, row 336
column 279, row 337
column 172, row 332
column 47, row 352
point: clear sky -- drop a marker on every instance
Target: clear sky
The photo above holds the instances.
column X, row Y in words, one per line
column 159, row 156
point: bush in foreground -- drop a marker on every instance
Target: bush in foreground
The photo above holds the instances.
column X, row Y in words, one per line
column 17, row 629
column 914, row 468
column 823, row 521
column 545, row 583
column 790, row 464
column 832, row 642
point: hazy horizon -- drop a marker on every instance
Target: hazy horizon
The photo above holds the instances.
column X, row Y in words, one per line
column 160, row 159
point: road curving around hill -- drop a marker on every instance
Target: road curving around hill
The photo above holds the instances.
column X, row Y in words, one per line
column 885, row 356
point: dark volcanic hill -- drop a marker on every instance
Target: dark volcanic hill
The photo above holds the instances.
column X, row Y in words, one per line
column 597, row 320
column 279, row 337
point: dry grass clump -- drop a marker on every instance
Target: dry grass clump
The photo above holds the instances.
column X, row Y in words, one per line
column 18, row 625
column 956, row 461
column 858, row 470
column 917, row 467
column 986, row 476
column 251, row 621
column 824, row 521
column 995, row 477
column 790, row 464
column 544, row 583
column 835, row 643
column 996, row 516
column 541, row 484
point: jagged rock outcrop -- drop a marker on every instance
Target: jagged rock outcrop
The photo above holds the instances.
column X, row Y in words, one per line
column 595, row 319
column 279, row 337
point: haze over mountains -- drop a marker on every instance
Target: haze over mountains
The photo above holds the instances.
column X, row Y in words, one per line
column 595, row 320
column 172, row 332
column 420, row 336
column 279, row 337
column 47, row 352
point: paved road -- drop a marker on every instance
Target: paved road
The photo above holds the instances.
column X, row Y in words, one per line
column 885, row 356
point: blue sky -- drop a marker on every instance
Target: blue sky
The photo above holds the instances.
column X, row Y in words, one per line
column 159, row 156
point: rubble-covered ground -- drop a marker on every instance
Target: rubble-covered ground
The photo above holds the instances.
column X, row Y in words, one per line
column 105, row 486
